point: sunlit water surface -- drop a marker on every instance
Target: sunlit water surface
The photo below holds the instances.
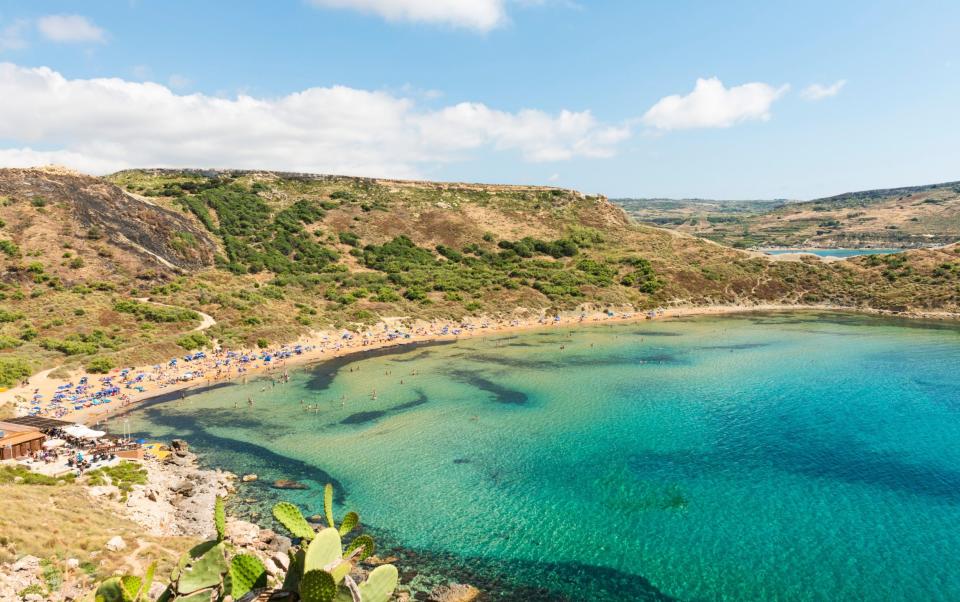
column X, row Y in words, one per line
column 753, row 457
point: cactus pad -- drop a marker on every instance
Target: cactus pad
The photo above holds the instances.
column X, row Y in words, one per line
column 362, row 540
column 291, row 582
column 246, row 573
column 110, row 590
column 325, row 549
column 148, row 580
column 290, row 517
column 130, row 584
column 220, row 518
column 317, row 586
column 349, row 523
column 206, row 571
column 328, row 504
column 380, row 584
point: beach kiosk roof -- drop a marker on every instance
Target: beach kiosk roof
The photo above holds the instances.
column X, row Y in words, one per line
column 17, row 440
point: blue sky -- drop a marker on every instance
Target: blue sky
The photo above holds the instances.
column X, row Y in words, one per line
column 570, row 93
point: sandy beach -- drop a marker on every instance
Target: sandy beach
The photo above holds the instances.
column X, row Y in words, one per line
column 319, row 346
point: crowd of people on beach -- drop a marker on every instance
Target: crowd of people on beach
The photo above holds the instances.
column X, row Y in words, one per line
column 129, row 385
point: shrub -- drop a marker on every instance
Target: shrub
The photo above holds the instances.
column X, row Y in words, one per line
column 13, row 370
column 155, row 313
column 7, row 342
column 9, row 248
column 194, row 340
column 9, row 316
column 349, row 238
column 100, row 365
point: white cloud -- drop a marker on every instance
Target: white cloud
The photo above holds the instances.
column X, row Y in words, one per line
column 711, row 105
column 69, row 28
column 100, row 125
column 481, row 15
column 819, row 92
column 12, row 35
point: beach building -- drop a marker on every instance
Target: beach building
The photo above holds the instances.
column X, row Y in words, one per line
column 18, row 441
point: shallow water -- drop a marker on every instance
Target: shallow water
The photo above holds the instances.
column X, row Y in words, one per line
column 753, row 457
column 834, row 252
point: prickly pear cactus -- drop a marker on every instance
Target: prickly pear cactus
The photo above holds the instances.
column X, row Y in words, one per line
column 326, row 549
column 380, row 584
column 349, row 523
column 246, row 573
column 206, row 571
column 317, row 586
column 362, row 540
column 291, row 582
column 289, row 516
column 110, row 590
column 220, row 518
column 328, row 504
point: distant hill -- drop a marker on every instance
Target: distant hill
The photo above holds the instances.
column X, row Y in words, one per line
column 271, row 256
column 686, row 215
column 909, row 217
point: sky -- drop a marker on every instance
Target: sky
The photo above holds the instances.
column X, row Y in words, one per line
column 628, row 98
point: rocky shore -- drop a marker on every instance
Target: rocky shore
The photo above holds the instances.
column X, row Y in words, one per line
column 180, row 496
column 178, row 500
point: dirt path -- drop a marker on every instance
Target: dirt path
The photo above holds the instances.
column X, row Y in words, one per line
column 206, row 320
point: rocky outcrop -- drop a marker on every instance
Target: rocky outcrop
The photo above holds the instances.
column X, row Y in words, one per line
column 179, row 496
column 455, row 592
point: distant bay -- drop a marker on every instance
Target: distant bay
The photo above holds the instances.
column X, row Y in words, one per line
column 833, row 252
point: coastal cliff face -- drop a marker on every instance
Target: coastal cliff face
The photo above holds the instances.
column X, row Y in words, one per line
column 273, row 256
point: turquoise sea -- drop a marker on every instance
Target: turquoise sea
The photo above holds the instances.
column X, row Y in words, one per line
column 790, row 456
column 842, row 253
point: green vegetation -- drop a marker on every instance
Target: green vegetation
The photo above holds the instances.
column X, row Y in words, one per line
column 81, row 343
column 123, row 476
column 100, row 365
column 266, row 266
column 13, row 370
column 8, row 248
column 22, row 475
column 155, row 313
column 194, row 340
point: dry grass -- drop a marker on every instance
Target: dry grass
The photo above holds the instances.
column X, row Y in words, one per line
column 58, row 523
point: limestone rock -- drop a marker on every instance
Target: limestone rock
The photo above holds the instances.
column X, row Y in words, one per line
column 116, row 544
column 184, row 488
column 242, row 533
column 27, row 563
column 248, row 478
column 455, row 592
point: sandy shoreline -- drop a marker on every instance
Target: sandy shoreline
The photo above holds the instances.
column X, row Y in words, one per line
column 326, row 345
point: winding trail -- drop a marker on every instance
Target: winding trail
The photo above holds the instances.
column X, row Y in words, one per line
column 206, row 320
